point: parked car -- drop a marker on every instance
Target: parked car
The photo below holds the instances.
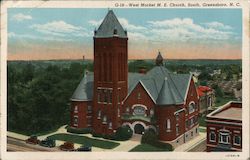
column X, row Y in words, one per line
column 84, row 148
column 48, row 143
column 67, row 146
column 32, row 140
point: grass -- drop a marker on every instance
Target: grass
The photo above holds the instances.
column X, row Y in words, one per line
column 202, row 130
column 147, row 148
column 85, row 140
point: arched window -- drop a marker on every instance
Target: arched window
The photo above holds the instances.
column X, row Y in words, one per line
column 191, row 107
column 99, row 114
column 168, row 125
column 118, row 111
column 139, row 110
column 76, row 109
column 104, row 119
column 152, row 112
column 110, row 125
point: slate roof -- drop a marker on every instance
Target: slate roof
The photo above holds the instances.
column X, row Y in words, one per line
column 159, row 59
column 109, row 24
column 84, row 91
column 164, row 87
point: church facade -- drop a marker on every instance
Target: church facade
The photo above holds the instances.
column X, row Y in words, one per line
column 111, row 97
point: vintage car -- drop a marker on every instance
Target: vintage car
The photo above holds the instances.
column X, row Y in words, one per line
column 67, row 146
column 32, row 140
column 84, row 148
column 48, row 143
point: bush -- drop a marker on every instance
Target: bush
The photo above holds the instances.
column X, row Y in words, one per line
column 79, row 130
column 123, row 133
column 151, row 138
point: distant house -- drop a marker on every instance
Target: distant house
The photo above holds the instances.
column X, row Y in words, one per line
column 224, row 128
column 229, row 87
column 206, row 98
column 111, row 97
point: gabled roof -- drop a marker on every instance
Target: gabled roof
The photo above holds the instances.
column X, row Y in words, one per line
column 109, row 24
column 84, row 91
column 172, row 91
column 164, row 87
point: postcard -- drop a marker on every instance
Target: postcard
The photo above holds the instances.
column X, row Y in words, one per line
column 124, row 80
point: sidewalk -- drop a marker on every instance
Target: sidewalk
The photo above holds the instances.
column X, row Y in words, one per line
column 192, row 143
column 16, row 135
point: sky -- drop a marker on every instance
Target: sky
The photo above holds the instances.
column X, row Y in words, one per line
column 39, row 33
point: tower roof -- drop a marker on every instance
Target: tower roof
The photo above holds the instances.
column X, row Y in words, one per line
column 110, row 27
column 159, row 59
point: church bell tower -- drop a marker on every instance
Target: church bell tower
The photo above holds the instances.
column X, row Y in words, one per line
column 110, row 74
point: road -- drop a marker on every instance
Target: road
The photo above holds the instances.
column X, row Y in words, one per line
column 201, row 147
column 14, row 144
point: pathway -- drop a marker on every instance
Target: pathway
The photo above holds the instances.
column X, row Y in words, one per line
column 192, row 143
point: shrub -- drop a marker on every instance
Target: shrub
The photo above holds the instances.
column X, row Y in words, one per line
column 79, row 130
column 97, row 135
column 123, row 133
column 151, row 138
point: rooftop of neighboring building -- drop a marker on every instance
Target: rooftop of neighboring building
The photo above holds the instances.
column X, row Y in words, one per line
column 201, row 90
column 232, row 110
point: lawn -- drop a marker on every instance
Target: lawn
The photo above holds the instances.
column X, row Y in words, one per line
column 147, row 148
column 203, row 130
column 85, row 140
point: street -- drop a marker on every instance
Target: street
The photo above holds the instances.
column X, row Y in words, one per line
column 14, row 144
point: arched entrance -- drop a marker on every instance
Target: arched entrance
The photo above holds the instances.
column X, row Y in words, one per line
column 139, row 129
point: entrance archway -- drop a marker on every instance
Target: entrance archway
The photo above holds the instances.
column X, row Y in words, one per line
column 139, row 129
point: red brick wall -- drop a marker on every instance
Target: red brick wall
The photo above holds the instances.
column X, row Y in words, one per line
column 217, row 127
column 133, row 99
column 167, row 112
column 81, row 113
column 192, row 96
column 110, row 71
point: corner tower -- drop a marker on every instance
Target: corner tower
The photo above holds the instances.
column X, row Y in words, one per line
column 110, row 74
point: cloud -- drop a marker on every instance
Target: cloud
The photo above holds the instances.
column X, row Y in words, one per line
column 186, row 30
column 21, row 17
column 130, row 27
column 95, row 23
column 218, row 25
column 124, row 22
column 13, row 35
column 60, row 28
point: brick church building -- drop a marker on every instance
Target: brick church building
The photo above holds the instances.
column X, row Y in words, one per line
column 111, row 97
